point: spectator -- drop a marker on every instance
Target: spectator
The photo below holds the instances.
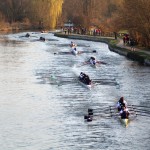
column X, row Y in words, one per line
column 132, row 44
column 124, row 40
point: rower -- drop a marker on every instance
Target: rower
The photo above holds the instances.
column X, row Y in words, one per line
column 27, row 35
column 87, row 80
column 92, row 60
column 42, row 39
column 75, row 49
column 124, row 113
column 72, row 44
column 121, row 103
column 82, row 75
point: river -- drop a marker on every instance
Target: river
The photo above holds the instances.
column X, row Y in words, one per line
column 38, row 112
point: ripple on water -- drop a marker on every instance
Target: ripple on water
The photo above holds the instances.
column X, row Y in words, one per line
column 42, row 106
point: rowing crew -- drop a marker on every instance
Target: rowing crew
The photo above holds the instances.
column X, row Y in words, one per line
column 85, row 78
column 122, row 108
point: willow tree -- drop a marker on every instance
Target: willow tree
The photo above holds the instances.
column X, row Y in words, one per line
column 55, row 11
column 46, row 12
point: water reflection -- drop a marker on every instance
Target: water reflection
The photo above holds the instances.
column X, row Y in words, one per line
column 36, row 114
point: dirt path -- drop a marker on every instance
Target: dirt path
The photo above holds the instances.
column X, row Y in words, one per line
column 120, row 44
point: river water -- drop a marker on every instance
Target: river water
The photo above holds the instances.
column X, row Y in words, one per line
column 42, row 106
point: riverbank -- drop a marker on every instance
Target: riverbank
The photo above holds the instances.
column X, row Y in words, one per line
column 142, row 56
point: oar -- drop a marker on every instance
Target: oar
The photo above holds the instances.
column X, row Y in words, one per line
column 89, row 118
column 84, row 63
column 144, row 115
column 106, row 83
column 60, row 80
column 140, row 109
column 62, row 77
column 140, row 106
column 143, row 111
column 98, row 109
column 101, row 62
column 94, row 51
column 62, row 53
column 104, row 110
column 96, row 112
column 83, row 45
column 110, row 108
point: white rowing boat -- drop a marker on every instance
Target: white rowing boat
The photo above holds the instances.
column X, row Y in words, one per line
column 92, row 62
column 74, row 51
column 93, row 65
column 88, row 86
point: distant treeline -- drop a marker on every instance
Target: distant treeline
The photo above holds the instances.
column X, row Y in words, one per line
column 108, row 15
column 37, row 13
column 112, row 16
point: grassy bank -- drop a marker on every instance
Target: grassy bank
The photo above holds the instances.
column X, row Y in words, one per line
column 141, row 56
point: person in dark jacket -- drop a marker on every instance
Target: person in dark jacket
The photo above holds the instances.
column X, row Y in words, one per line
column 124, row 113
column 132, row 44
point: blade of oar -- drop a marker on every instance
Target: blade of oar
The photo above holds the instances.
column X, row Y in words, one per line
column 94, row 51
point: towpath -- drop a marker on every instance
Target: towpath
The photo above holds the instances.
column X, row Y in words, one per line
column 120, row 44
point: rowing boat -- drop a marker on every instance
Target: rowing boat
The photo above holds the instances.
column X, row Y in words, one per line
column 74, row 51
column 124, row 121
column 93, row 65
column 92, row 62
column 88, row 86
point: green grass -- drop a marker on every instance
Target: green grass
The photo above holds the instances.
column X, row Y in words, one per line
column 123, row 31
column 113, row 42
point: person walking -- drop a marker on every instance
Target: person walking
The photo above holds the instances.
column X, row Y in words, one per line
column 132, row 44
